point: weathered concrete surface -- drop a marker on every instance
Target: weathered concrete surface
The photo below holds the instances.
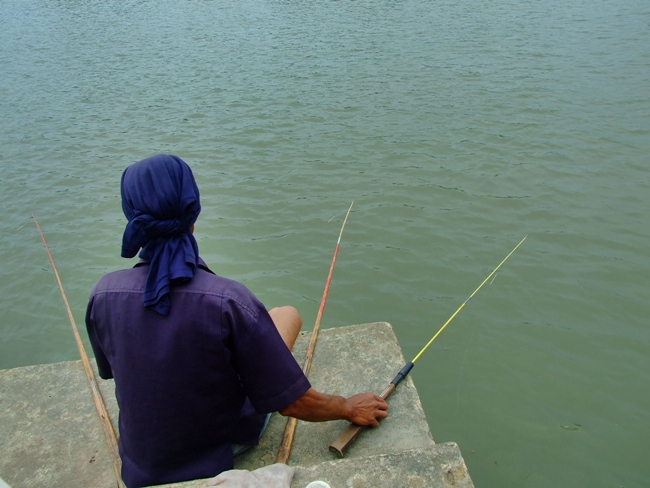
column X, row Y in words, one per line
column 439, row 466
column 350, row 360
column 436, row 466
column 49, row 430
column 50, row 434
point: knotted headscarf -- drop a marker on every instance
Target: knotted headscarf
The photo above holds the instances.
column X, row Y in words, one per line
column 161, row 201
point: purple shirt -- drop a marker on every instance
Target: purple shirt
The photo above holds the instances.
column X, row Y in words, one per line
column 186, row 383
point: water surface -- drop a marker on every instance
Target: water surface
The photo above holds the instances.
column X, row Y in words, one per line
column 456, row 127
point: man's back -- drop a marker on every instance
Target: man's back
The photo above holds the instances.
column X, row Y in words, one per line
column 182, row 379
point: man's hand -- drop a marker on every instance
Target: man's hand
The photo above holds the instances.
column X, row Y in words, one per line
column 361, row 409
column 366, row 409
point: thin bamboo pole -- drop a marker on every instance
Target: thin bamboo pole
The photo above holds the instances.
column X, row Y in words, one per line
column 105, row 420
column 290, row 430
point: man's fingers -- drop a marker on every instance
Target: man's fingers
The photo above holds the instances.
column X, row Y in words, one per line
column 374, row 424
column 383, row 405
column 382, row 414
column 368, row 409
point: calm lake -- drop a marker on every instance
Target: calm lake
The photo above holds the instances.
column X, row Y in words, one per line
column 457, row 127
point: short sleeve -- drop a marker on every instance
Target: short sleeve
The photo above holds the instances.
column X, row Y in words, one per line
column 270, row 375
column 103, row 366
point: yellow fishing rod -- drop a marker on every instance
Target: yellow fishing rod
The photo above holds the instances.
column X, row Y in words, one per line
column 349, row 435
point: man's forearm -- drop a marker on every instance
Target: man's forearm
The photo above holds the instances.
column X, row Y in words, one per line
column 361, row 409
column 314, row 406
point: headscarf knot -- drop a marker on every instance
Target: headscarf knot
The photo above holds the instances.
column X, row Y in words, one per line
column 161, row 201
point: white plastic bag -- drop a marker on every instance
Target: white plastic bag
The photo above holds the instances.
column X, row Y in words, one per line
column 274, row 476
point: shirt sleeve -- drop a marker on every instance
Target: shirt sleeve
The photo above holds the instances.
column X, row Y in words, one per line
column 270, row 375
column 103, row 365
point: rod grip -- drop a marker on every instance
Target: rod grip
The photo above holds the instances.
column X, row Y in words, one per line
column 403, row 373
column 350, row 434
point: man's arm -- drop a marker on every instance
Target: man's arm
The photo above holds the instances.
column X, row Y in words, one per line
column 103, row 366
column 360, row 409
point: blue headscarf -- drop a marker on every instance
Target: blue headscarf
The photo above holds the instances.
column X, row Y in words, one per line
column 161, row 201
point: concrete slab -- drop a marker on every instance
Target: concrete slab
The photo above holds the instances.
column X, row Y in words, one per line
column 439, row 466
column 50, row 434
column 436, row 466
column 350, row 360
column 49, row 429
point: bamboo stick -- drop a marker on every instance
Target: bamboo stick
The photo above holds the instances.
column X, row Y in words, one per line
column 105, row 420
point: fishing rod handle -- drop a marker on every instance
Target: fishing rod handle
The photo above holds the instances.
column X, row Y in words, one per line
column 402, row 374
column 350, row 434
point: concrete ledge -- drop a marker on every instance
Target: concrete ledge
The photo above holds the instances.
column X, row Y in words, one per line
column 350, row 360
column 437, row 466
column 440, row 466
column 51, row 435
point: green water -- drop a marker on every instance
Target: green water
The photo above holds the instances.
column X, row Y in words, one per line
column 456, row 127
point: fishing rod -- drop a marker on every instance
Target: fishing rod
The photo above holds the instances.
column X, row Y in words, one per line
column 349, row 435
column 105, row 420
column 289, row 431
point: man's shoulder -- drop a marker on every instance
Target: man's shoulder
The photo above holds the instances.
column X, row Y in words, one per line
column 213, row 284
column 223, row 293
column 131, row 278
column 204, row 282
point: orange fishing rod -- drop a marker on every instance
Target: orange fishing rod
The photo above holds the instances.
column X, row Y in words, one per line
column 105, row 420
column 289, row 431
column 349, row 435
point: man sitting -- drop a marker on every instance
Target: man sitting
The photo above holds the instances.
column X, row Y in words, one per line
column 199, row 363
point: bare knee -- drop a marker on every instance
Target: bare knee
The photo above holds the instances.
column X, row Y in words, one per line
column 288, row 321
